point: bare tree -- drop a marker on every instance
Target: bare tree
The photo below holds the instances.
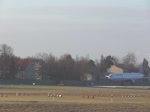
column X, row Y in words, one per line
column 6, row 50
column 129, row 62
column 7, row 61
column 43, row 56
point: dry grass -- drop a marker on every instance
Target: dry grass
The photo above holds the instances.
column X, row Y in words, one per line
column 75, row 99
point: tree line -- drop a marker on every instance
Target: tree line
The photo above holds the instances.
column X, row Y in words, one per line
column 66, row 67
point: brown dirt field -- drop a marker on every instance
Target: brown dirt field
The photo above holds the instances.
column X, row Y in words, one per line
column 72, row 107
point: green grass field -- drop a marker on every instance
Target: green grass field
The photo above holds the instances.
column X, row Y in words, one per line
column 76, row 99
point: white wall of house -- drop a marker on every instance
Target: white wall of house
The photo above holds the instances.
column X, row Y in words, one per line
column 87, row 77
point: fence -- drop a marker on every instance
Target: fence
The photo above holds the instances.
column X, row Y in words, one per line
column 67, row 83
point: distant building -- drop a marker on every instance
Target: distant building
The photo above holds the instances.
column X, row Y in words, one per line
column 38, row 71
column 21, row 66
column 115, row 69
column 88, row 77
column 29, row 70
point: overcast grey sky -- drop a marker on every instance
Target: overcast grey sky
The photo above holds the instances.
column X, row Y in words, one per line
column 78, row 27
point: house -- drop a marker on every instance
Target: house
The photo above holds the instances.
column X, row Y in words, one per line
column 87, row 77
column 114, row 69
column 29, row 72
column 38, row 71
column 21, row 66
column 28, row 69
